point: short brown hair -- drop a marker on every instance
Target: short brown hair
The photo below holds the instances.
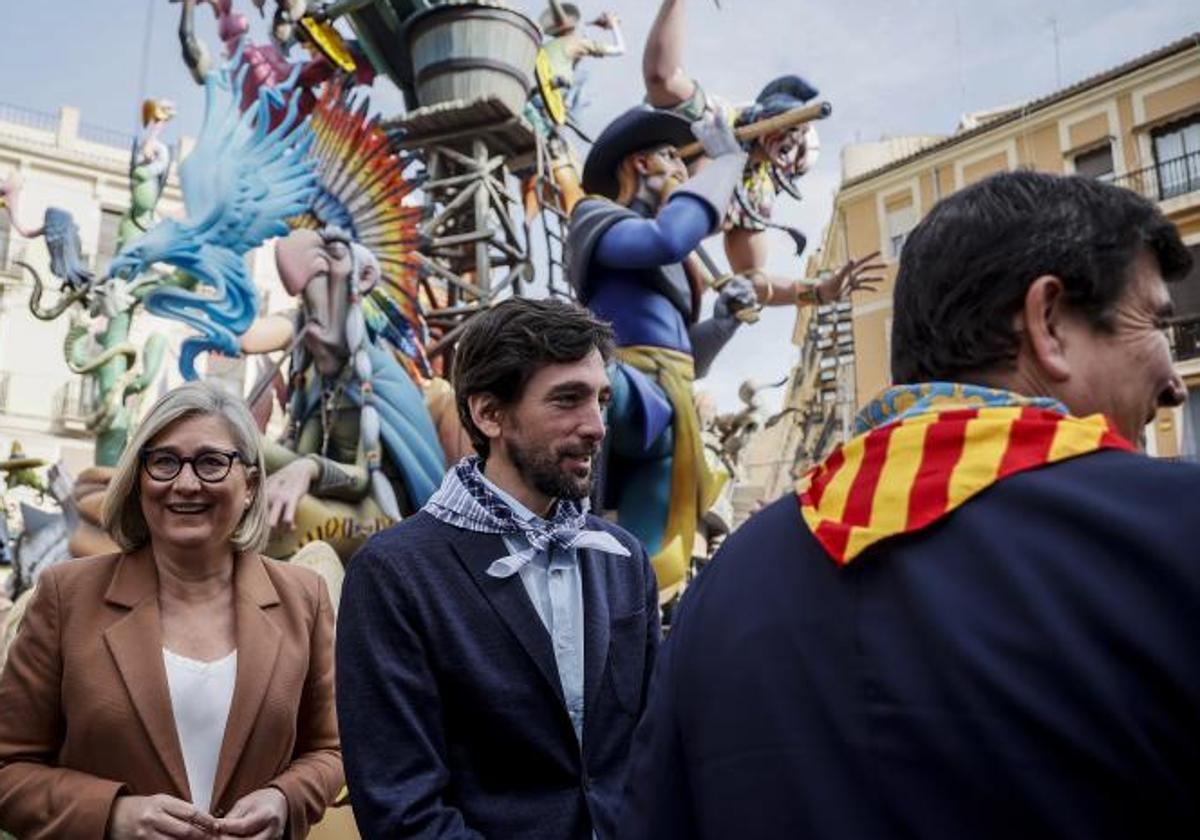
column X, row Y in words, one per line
column 505, row 346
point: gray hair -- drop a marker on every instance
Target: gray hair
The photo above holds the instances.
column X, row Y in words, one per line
column 122, row 516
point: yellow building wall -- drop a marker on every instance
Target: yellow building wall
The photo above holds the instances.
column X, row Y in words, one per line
column 898, row 200
column 1174, row 100
column 872, row 353
column 1088, row 131
column 1040, row 149
column 862, row 225
column 945, row 179
column 980, row 169
column 928, row 192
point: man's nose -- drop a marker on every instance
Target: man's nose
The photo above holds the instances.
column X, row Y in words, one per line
column 1175, row 393
column 592, row 424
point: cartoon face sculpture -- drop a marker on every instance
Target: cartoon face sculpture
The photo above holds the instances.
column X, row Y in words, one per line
column 320, row 268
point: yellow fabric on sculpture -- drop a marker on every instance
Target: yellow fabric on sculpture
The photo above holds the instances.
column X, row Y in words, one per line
column 695, row 485
column 344, row 526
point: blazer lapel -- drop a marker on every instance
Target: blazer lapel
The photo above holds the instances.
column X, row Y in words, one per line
column 258, row 641
column 594, row 568
column 509, row 599
column 135, row 642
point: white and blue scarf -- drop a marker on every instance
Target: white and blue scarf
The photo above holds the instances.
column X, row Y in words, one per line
column 466, row 501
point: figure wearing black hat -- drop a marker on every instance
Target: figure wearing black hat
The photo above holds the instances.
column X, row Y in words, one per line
column 625, row 253
column 774, row 164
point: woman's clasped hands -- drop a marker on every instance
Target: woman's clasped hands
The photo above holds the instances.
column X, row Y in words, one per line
column 261, row 815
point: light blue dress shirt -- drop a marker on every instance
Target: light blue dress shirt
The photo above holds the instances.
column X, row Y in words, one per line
column 555, row 586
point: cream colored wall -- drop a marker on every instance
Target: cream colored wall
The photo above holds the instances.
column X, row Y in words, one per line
column 1088, row 131
column 1175, row 100
column 980, row 169
column 1040, row 149
column 862, row 225
column 872, row 351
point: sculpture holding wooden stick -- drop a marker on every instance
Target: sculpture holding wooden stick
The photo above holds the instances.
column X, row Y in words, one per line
column 782, row 142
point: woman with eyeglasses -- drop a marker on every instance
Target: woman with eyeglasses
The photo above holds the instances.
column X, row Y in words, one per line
column 182, row 688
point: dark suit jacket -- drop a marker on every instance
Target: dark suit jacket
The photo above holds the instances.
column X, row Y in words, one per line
column 1027, row 667
column 452, row 714
column 85, row 711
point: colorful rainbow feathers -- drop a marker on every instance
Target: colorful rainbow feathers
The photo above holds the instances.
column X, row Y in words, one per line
column 364, row 191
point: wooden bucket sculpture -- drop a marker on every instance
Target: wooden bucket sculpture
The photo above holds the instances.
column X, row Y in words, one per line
column 466, row 50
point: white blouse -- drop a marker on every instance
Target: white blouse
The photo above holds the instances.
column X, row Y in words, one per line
column 201, row 695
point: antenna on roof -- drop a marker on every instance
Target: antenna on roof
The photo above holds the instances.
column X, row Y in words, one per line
column 958, row 50
column 1052, row 22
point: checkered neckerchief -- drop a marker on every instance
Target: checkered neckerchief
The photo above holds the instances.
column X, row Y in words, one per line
column 465, row 501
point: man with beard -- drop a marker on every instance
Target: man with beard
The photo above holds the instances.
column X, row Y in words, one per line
column 496, row 657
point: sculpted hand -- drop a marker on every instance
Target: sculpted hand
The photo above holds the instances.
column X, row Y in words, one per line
column 607, row 20
column 286, row 488
column 152, row 817
column 716, row 135
column 261, row 815
column 736, row 295
column 852, row 277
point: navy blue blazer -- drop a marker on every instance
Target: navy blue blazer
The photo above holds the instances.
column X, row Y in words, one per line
column 1027, row 667
column 450, row 708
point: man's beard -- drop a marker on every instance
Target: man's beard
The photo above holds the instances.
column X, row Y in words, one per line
column 543, row 470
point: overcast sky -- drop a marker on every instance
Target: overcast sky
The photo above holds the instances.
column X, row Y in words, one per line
column 890, row 67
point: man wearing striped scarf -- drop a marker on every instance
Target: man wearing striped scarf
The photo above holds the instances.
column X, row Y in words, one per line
column 979, row 616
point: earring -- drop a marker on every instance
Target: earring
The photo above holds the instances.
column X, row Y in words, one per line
column 249, row 501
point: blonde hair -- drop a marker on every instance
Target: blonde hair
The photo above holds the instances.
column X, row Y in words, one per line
column 121, row 515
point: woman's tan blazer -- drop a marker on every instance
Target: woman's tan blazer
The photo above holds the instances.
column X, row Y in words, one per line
column 85, row 712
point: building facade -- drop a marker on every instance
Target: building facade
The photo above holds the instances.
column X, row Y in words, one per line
column 1137, row 125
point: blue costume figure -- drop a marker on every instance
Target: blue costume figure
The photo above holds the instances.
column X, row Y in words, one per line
column 627, row 247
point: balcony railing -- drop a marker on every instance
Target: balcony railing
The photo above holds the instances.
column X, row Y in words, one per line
column 28, row 117
column 1165, row 180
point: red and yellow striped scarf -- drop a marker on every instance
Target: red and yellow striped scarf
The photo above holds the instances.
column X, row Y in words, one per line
column 906, row 475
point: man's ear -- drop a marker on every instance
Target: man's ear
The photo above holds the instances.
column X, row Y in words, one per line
column 486, row 414
column 1042, row 321
column 368, row 269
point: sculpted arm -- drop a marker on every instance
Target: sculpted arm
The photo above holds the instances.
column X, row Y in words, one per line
column 647, row 243
column 290, row 475
column 667, row 83
column 269, row 334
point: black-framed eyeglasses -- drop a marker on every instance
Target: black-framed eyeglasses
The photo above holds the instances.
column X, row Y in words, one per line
column 210, row 466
